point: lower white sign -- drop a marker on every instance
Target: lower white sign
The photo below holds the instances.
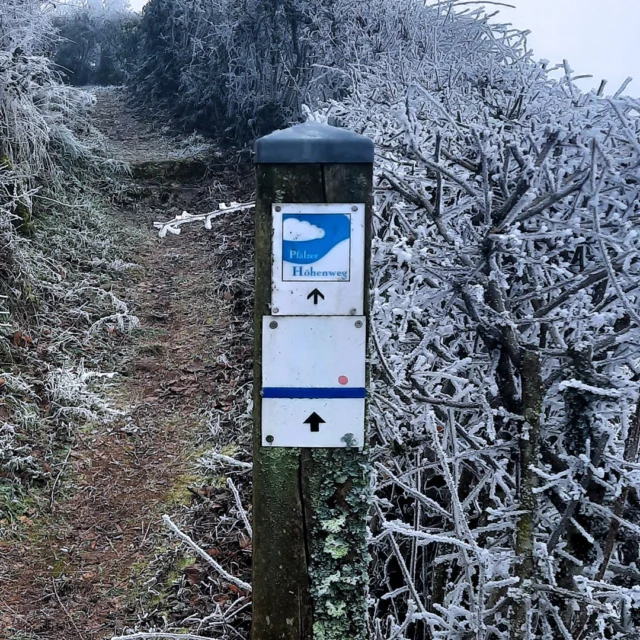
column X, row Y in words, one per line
column 307, row 422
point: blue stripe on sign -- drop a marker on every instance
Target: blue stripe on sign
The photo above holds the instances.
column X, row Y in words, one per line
column 310, row 392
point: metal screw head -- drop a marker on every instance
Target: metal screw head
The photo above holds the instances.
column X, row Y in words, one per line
column 275, row 310
column 278, row 208
column 269, row 439
column 352, row 312
column 354, row 208
column 358, row 324
column 273, row 324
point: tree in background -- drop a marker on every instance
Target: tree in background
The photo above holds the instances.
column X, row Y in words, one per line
column 97, row 42
column 240, row 68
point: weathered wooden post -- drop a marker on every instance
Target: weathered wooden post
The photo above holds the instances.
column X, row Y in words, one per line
column 311, row 492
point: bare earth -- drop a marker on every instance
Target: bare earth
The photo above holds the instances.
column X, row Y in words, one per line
column 71, row 570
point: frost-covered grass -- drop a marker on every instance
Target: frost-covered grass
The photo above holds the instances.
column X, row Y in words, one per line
column 58, row 253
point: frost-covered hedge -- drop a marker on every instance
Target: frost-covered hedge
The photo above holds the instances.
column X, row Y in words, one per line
column 240, row 68
column 96, row 46
column 506, row 336
column 53, row 252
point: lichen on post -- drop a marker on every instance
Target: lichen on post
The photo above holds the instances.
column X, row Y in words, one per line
column 337, row 492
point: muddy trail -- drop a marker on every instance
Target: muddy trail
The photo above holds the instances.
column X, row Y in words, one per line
column 93, row 557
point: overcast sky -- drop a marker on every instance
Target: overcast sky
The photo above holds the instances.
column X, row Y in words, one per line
column 600, row 38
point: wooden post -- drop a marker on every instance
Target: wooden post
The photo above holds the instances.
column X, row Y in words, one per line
column 310, row 505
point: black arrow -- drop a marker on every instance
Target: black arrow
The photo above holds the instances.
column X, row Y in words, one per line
column 315, row 421
column 316, row 294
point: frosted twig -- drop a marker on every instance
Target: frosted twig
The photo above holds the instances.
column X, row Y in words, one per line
column 66, row 611
column 241, row 510
column 595, row 202
column 247, row 466
column 160, row 634
column 204, row 555
column 428, row 502
column 55, row 482
column 173, row 226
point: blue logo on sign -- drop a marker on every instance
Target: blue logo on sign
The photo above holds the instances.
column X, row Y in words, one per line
column 309, row 237
column 316, row 246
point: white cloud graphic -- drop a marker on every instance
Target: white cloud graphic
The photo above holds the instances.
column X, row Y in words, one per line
column 296, row 230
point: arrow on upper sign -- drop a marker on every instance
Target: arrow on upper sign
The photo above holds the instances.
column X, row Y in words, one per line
column 316, row 293
column 314, row 421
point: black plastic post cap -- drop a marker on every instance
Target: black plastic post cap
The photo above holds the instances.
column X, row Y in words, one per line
column 313, row 143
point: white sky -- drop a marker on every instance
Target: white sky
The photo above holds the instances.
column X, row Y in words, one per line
column 599, row 37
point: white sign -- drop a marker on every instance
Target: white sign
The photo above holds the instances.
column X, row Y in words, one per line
column 327, row 352
column 313, row 381
column 312, row 422
column 318, row 259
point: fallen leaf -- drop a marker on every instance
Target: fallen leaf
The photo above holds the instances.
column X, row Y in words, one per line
column 194, row 574
column 234, row 589
column 22, row 339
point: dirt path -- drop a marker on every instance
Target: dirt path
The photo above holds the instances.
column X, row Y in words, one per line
column 70, row 571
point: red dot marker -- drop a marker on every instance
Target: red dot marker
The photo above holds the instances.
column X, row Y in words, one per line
column 343, row 380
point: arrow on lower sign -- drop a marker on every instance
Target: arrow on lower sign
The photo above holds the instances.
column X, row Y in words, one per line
column 316, row 293
column 314, row 421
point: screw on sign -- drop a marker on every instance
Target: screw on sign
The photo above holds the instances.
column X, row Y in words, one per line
column 313, row 214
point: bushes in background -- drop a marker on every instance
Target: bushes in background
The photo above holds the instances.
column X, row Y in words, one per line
column 53, row 249
column 96, row 47
column 240, row 69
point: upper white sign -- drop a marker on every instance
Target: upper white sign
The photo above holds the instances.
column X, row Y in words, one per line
column 318, row 259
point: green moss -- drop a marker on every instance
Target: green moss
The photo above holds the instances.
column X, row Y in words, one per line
column 179, row 494
column 336, row 547
column 337, row 611
column 14, row 501
column 335, row 525
column 172, row 576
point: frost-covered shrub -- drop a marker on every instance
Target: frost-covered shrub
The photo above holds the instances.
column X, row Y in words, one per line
column 49, row 244
column 240, row 69
column 96, row 47
column 506, row 335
